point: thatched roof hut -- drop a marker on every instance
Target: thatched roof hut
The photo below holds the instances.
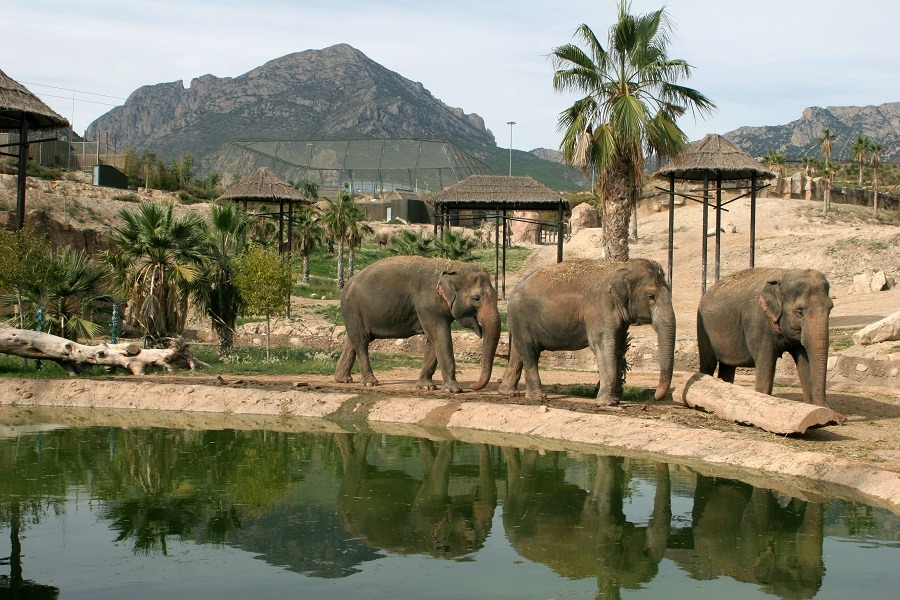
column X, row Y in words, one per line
column 18, row 104
column 499, row 192
column 711, row 157
column 263, row 185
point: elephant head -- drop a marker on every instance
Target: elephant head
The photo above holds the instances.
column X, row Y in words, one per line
column 643, row 297
column 798, row 304
column 473, row 304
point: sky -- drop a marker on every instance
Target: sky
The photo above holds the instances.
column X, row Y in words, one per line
column 760, row 62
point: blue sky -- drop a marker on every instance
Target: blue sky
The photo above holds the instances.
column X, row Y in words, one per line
column 761, row 62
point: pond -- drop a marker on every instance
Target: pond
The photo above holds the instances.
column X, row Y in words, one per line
column 109, row 512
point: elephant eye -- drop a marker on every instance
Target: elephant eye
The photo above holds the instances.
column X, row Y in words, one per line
column 798, row 312
column 651, row 297
column 476, row 298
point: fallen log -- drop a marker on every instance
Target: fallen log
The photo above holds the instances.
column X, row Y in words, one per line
column 743, row 405
column 72, row 355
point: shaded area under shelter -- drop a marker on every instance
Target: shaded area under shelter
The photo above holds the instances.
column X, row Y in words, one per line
column 22, row 112
column 713, row 159
column 493, row 197
column 265, row 187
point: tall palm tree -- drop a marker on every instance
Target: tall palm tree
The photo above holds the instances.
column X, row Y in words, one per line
column 357, row 231
column 337, row 219
column 214, row 291
column 160, row 255
column 859, row 152
column 877, row 149
column 825, row 143
column 631, row 101
column 810, row 165
column 828, row 173
column 308, row 233
column 775, row 161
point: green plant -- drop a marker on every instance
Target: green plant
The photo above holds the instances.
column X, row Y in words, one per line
column 411, row 243
column 264, row 282
column 454, row 246
column 33, row 169
column 332, row 314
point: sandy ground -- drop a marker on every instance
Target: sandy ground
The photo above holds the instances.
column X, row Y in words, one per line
column 861, row 456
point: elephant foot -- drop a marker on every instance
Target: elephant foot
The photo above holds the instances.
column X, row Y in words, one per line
column 369, row 381
column 607, row 399
column 453, row 388
column 508, row 390
column 537, row 397
column 343, row 378
column 426, row 384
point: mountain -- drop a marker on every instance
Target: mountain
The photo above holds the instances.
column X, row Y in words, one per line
column 800, row 138
column 335, row 93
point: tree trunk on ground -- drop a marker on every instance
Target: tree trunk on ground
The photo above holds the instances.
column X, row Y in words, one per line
column 743, row 405
column 72, row 356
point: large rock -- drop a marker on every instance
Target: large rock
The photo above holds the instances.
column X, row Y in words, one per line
column 871, row 281
column 885, row 330
column 523, row 231
column 584, row 216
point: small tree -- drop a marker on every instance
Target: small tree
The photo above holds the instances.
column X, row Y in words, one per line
column 877, row 149
column 26, row 258
column 859, row 151
column 264, row 282
column 825, row 143
column 828, row 174
column 338, row 219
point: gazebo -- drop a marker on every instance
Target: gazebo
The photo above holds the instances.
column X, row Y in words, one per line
column 500, row 194
column 713, row 158
column 263, row 186
column 21, row 111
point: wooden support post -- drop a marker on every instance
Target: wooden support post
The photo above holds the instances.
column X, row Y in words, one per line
column 281, row 227
column 705, row 249
column 504, row 254
column 671, row 226
column 497, row 250
column 21, row 177
column 559, row 233
column 718, row 223
column 753, row 221
column 743, row 405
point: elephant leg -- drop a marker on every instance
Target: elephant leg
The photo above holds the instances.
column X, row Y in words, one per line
column 603, row 344
column 510, row 383
column 765, row 372
column 345, row 363
column 801, row 359
column 429, row 366
column 529, row 355
column 726, row 372
column 708, row 358
column 442, row 343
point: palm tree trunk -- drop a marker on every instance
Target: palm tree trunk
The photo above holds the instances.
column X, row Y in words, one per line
column 634, row 219
column 340, row 264
column 352, row 261
column 875, row 192
column 306, row 268
column 617, row 208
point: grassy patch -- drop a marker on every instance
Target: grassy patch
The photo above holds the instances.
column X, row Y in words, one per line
column 629, row 394
column 515, row 258
column 332, row 314
column 841, row 339
column 289, row 361
column 13, row 366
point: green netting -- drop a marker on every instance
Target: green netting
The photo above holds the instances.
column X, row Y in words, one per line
column 369, row 166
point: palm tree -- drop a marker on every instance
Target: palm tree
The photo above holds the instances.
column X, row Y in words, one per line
column 810, row 165
column 877, row 149
column 337, row 219
column 454, row 246
column 859, row 152
column 631, row 101
column 308, row 233
column 214, row 291
column 159, row 257
column 357, row 231
column 775, row 161
column 828, row 174
column 825, row 144
column 410, row 243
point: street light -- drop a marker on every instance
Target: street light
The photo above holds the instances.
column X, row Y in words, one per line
column 510, row 123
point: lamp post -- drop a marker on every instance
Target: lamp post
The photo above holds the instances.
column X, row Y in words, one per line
column 510, row 123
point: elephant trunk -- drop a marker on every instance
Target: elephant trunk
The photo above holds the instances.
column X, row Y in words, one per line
column 814, row 337
column 664, row 324
column 489, row 319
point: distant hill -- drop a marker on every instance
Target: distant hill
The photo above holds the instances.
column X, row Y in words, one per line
column 331, row 94
column 800, row 138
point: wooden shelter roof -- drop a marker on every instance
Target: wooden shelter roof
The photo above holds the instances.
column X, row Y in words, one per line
column 484, row 191
column 713, row 155
column 263, row 185
column 17, row 103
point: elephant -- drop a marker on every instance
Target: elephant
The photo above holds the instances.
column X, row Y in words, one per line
column 577, row 304
column 402, row 296
column 752, row 317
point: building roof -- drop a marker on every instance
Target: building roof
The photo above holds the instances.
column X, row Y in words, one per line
column 483, row 191
column 17, row 103
column 264, row 186
column 713, row 156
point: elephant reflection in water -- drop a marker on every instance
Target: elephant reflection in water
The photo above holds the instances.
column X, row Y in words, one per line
column 744, row 533
column 393, row 511
column 585, row 534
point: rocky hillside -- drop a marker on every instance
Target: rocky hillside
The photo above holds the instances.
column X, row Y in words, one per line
column 800, row 138
column 335, row 93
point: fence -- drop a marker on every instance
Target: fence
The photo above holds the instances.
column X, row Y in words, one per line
column 58, row 152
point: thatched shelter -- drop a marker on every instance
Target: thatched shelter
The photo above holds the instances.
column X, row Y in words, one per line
column 20, row 112
column 497, row 195
column 713, row 158
column 263, row 186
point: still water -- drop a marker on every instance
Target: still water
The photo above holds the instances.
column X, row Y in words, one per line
column 107, row 512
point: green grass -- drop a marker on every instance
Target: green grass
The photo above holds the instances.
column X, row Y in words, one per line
column 629, row 394
column 841, row 338
column 289, row 361
column 13, row 366
column 515, row 258
column 332, row 314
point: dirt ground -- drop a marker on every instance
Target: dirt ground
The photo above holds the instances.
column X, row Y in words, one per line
column 789, row 233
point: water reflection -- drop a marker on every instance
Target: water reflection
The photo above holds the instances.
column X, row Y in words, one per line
column 325, row 505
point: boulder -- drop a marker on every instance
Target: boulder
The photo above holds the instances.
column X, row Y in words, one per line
column 885, row 330
column 584, row 216
column 523, row 231
column 871, row 281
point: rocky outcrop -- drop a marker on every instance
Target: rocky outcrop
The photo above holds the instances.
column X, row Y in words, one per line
column 871, row 281
column 885, row 330
column 584, row 216
column 334, row 93
column 801, row 137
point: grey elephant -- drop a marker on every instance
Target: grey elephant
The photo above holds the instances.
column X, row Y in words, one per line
column 577, row 304
column 750, row 318
column 407, row 295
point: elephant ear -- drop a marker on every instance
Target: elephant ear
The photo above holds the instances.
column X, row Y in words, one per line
column 771, row 301
column 446, row 288
column 620, row 289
